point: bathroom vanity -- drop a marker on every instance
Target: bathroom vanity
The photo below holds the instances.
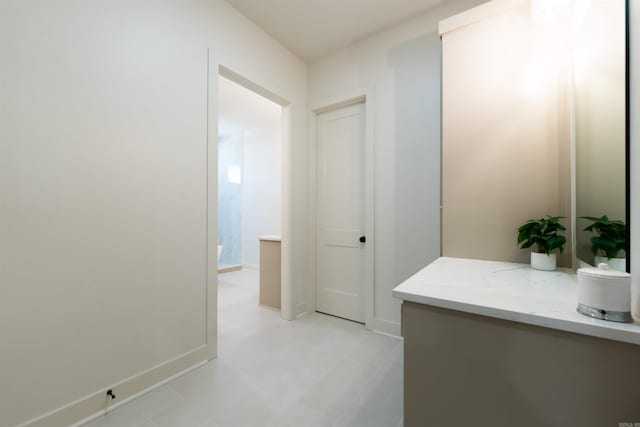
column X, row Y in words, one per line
column 499, row 344
column 270, row 273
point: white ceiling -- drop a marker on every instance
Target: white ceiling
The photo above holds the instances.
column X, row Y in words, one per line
column 241, row 109
column 314, row 28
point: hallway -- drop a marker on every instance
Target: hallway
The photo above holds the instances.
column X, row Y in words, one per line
column 316, row 371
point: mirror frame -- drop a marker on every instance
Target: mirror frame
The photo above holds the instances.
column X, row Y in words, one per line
column 627, row 138
column 627, row 152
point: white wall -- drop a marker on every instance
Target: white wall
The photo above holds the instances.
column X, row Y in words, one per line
column 103, row 179
column 634, row 6
column 261, row 189
column 402, row 65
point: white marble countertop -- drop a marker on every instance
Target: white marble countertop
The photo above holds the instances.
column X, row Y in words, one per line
column 272, row 238
column 510, row 291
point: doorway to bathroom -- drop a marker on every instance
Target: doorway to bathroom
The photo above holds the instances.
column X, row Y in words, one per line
column 249, row 225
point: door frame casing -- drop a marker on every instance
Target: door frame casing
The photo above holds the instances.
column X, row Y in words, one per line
column 287, row 312
column 363, row 95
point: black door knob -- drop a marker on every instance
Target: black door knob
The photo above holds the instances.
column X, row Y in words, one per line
column 363, row 239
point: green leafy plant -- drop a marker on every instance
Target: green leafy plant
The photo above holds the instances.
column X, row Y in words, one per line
column 543, row 233
column 611, row 238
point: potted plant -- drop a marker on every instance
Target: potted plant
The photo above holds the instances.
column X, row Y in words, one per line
column 611, row 239
column 542, row 235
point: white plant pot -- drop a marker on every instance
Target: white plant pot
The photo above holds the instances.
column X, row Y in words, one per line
column 618, row 264
column 543, row 261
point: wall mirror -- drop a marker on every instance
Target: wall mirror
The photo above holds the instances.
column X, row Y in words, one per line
column 601, row 117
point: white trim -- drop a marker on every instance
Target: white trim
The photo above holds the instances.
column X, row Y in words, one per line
column 250, row 267
column 268, row 308
column 93, row 405
column 135, row 396
column 387, row 334
column 363, row 95
column 370, row 206
column 287, row 309
column 301, row 309
column 571, row 106
column 253, row 87
column 476, row 14
column 340, row 104
column 386, row 327
column 341, row 100
column 211, row 294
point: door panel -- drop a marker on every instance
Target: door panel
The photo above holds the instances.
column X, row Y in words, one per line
column 340, row 212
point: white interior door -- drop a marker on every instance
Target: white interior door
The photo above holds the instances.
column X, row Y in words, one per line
column 340, row 238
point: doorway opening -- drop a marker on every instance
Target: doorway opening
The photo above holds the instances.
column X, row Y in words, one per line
column 249, row 225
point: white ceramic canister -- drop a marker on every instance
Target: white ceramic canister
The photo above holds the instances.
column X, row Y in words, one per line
column 604, row 293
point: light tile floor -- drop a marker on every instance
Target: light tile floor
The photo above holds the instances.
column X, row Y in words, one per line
column 318, row 371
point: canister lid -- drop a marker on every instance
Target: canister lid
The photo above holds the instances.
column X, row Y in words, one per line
column 603, row 271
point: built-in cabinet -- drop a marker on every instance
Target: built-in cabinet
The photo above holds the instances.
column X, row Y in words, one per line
column 499, row 344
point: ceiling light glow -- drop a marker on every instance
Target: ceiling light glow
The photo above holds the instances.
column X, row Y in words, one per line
column 548, row 11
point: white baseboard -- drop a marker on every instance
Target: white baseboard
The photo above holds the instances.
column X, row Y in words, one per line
column 135, row 396
column 250, row 267
column 92, row 406
column 301, row 309
column 386, row 327
column 269, row 308
column 389, row 335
